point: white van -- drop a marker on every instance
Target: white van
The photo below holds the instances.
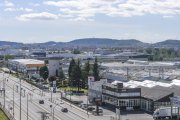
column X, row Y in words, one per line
column 165, row 113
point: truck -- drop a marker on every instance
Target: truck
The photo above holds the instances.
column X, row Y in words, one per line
column 165, row 113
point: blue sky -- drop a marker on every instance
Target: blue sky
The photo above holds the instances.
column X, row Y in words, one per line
column 32, row 21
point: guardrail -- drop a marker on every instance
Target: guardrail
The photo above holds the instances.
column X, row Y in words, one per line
column 8, row 114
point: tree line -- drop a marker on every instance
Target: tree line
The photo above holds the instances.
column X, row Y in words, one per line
column 161, row 54
column 78, row 73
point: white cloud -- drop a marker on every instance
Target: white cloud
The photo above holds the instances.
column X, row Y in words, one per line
column 34, row 4
column 85, row 9
column 168, row 16
column 18, row 9
column 37, row 16
column 8, row 4
column 10, row 9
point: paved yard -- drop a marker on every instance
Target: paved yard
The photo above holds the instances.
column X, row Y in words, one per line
column 135, row 115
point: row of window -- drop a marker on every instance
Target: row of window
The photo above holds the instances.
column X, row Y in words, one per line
column 129, row 102
column 121, row 94
column 122, row 102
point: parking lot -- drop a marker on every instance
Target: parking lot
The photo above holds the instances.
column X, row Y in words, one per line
column 135, row 115
column 109, row 112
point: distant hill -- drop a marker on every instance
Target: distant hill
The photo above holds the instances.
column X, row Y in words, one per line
column 7, row 43
column 168, row 43
column 105, row 42
column 95, row 42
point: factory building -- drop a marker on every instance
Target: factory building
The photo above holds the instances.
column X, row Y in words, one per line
column 27, row 66
column 126, row 97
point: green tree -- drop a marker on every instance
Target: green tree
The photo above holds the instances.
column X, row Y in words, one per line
column 71, row 65
column 7, row 57
column 76, row 51
column 43, row 72
column 61, row 75
column 85, row 71
column 76, row 75
column 96, row 70
column 51, row 79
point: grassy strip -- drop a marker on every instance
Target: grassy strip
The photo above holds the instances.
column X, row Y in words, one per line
column 3, row 116
column 72, row 88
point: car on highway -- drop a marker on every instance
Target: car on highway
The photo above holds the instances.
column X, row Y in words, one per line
column 64, row 110
column 41, row 101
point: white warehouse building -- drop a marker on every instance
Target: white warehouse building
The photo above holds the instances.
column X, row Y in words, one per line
column 28, row 66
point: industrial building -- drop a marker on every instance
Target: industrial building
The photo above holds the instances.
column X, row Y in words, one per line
column 134, row 95
column 27, row 66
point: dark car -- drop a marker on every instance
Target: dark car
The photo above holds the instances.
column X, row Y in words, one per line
column 64, row 110
column 90, row 108
column 41, row 101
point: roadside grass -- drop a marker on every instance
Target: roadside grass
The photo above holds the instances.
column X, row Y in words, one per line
column 3, row 116
column 72, row 89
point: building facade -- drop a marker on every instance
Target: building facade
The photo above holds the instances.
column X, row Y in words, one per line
column 54, row 66
column 123, row 98
column 126, row 98
column 27, row 66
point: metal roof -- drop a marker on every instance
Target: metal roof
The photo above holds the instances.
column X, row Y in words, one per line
column 27, row 61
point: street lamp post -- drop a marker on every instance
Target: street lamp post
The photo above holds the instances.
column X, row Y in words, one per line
column 42, row 85
column 4, row 91
column 51, row 94
column 4, row 88
column 13, row 99
column 53, row 110
column 3, row 95
column 28, row 105
column 20, row 98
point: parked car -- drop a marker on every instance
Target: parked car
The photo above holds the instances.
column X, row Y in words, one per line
column 95, row 112
column 90, row 108
column 64, row 110
column 41, row 101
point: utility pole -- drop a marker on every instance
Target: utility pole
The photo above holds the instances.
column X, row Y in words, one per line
column 44, row 115
column 27, row 106
column 51, row 93
column 54, row 109
column 4, row 90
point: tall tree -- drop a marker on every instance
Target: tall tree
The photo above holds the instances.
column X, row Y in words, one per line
column 51, row 79
column 44, row 72
column 76, row 75
column 96, row 70
column 61, row 75
column 71, row 65
column 85, row 74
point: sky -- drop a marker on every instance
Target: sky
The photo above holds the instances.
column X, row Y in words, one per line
column 35, row 21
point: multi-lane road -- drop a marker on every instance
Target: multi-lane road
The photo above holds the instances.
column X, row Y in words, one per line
column 34, row 108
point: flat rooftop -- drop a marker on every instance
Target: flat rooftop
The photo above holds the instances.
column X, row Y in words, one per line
column 27, row 61
column 150, row 64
